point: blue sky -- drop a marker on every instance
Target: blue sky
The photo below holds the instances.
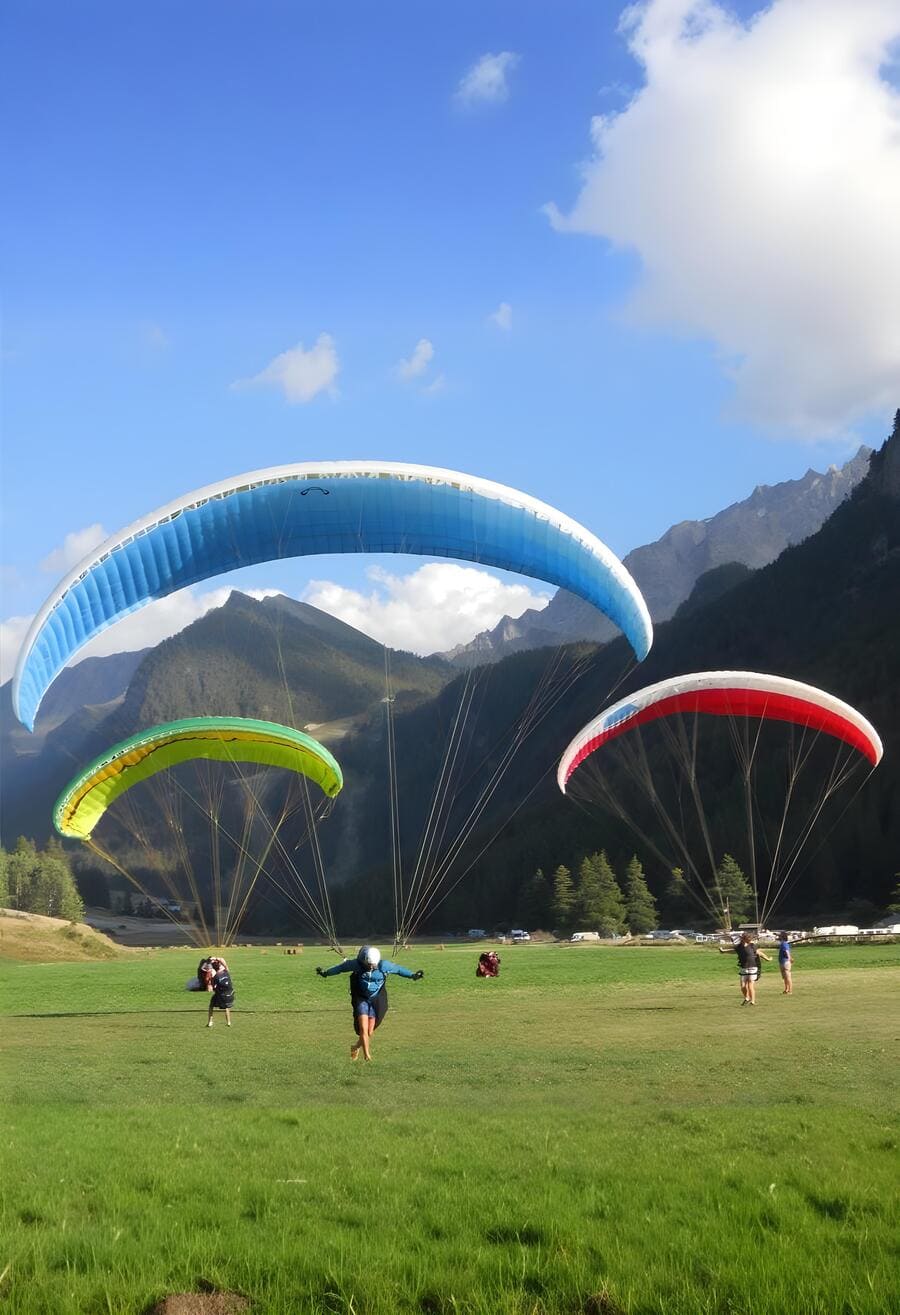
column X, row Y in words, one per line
column 201, row 188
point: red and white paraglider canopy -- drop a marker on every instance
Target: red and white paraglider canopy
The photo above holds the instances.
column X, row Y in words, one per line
column 725, row 694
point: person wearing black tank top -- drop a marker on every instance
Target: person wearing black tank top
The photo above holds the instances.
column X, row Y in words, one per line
column 748, row 965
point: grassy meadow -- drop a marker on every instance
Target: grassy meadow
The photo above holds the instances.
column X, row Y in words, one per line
column 600, row 1130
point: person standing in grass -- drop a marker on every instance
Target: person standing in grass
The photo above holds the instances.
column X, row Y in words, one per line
column 748, row 965
column 785, row 963
column 222, row 996
column 368, row 992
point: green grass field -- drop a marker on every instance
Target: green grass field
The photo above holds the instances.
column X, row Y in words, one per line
column 600, row 1130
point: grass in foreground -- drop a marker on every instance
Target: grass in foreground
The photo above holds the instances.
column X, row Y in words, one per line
column 599, row 1130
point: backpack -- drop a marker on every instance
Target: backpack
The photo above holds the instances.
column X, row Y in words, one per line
column 223, row 989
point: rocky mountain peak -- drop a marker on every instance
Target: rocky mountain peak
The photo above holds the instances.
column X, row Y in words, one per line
column 752, row 533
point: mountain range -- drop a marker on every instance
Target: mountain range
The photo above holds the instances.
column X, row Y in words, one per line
column 825, row 611
column 752, row 532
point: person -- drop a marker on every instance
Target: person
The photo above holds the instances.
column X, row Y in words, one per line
column 368, row 992
column 748, row 965
column 785, row 963
column 488, row 964
column 207, row 969
column 222, row 996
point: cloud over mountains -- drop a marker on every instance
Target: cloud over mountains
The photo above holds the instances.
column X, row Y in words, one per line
column 757, row 175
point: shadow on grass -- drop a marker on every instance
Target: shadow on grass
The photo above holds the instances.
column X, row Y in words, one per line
column 148, row 1013
column 649, row 1009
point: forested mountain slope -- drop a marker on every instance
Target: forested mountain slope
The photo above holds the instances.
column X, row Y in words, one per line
column 826, row 612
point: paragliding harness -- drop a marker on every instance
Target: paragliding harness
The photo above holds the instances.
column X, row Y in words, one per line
column 749, row 963
column 223, row 990
column 488, row 964
column 379, row 1004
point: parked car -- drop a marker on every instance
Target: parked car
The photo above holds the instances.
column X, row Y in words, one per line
column 476, row 933
column 687, row 935
column 585, row 936
column 518, row 935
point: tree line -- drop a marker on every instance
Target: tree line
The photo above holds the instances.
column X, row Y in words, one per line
column 594, row 898
column 36, row 880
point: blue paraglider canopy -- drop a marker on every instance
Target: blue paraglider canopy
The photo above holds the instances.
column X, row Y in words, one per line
column 321, row 507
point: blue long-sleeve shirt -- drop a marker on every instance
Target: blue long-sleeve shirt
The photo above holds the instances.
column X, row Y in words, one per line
column 368, row 981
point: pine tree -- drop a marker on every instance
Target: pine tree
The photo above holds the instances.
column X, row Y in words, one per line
column 676, row 901
column 640, row 906
column 733, row 891
column 563, row 906
column 612, row 905
column 589, row 901
column 39, row 882
column 53, row 891
column 534, row 902
column 21, row 874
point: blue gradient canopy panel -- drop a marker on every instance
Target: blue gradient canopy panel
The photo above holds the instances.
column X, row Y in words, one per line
column 331, row 507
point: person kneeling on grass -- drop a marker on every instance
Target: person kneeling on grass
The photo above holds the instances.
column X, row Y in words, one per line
column 209, row 966
column 222, row 996
column 368, row 992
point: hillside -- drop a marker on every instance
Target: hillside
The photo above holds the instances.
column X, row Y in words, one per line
column 825, row 612
column 276, row 659
column 31, row 938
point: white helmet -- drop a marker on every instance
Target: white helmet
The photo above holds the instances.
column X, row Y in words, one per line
column 369, row 956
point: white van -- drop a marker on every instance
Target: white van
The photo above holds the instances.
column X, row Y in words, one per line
column 585, row 936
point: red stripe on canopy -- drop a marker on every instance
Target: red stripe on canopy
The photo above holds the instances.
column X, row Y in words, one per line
column 737, row 702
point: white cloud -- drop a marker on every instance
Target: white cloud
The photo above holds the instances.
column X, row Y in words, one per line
column 12, row 632
column 74, row 547
column 502, row 316
column 418, row 362
column 149, row 625
column 437, row 606
column 431, row 610
column 757, row 175
column 486, row 80
column 437, row 385
column 300, row 375
column 162, row 619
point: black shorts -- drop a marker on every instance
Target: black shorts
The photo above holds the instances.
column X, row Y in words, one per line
column 379, row 1005
column 222, row 1001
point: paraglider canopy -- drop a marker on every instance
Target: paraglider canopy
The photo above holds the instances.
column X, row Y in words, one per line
column 225, row 739
column 725, row 694
column 320, row 507
column 699, row 764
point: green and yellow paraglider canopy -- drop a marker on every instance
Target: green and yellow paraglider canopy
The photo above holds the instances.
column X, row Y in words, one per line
column 225, row 739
